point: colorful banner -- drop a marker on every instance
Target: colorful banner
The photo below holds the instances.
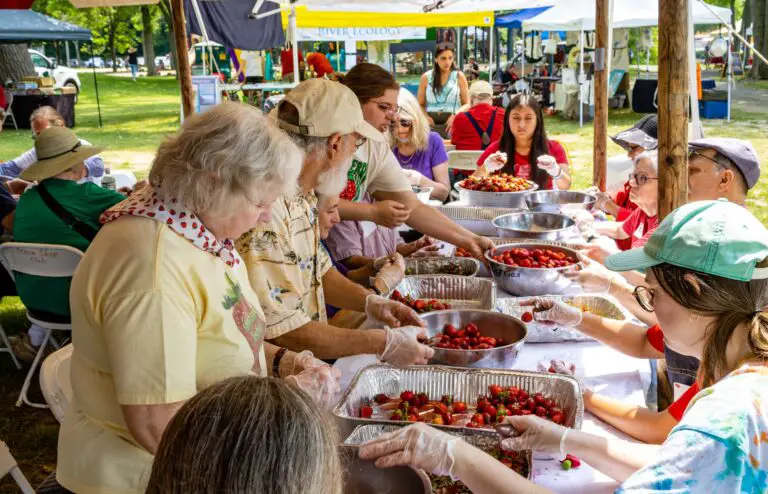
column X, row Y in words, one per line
column 361, row 33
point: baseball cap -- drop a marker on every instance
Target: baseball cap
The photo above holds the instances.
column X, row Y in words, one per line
column 480, row 88
column 645, row 133
column 326, row 108
column 740, row 153
column 713, row 237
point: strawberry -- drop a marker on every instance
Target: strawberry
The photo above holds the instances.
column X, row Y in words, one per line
column 381, row 398
column 575, row 462
column 541, row 411
column 558, row 418
column 406, row 395
column 366, row 412
column 459, row 407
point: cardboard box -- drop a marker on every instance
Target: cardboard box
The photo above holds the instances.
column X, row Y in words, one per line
column 40, row 81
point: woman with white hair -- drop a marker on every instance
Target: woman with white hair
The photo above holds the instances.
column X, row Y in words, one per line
column 161, row 303
column 421, row 152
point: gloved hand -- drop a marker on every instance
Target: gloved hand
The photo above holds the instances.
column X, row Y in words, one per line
column 418, row 445
column 316, row 378
column 551, row 313
column 594, row 278
column 555, row 366
column 426, row 247
column 549, row 164
column 403, row 348
column 495, row 162
column 536, row 433
column 389, row 276
column 477, row 246
column 600, row 248
column 413, row 176
column 391, row 313
column 382, row 261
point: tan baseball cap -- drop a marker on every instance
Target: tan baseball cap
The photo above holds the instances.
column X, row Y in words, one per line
column 480, row 88
column 326, row 108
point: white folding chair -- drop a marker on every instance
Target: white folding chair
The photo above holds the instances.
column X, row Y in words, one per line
column 8, row 112
column 6, row 348
column 50, row 261
column 8, row 465
column 55, row 382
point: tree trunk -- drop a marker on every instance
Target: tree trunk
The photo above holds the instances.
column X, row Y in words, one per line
column 760, row 31
column 733, row 23
column 149, row 47
column 165, row 9
column 746, row 20
column 15, row 62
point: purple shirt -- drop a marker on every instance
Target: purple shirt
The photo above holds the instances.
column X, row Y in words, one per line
column 348, row 239
column 424, row 161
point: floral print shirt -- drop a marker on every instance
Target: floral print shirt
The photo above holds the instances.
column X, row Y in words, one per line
column 286, row 264
column 720, row 446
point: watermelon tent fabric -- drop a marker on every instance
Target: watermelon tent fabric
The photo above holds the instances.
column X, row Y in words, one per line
column 23, row 26
column 230, row 24
column 515, row 20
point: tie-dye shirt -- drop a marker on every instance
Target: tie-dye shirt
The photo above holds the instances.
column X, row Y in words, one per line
column 720, row 446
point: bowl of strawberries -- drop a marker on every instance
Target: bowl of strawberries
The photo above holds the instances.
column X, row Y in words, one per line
column 497, row 190
column 474, row 338
column 530, row 269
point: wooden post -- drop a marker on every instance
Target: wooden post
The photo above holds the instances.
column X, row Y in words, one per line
column 602, row 53
column 673, row 105
column 184, row 71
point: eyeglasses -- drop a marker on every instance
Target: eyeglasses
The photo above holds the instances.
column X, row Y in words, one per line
column 718, row 159
column 360, row 141
column 406, row 123
column 644, row 296
column 386, row 107
column 640, row 179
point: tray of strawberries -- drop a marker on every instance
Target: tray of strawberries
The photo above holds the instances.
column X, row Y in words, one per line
column 498, row 190
column 458, row 398
column 428, row 293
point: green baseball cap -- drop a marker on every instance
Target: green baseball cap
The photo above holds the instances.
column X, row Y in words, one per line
column 714, row 237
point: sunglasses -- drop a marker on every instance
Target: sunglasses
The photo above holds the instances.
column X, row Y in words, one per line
column 644, row 297
column 406, row 123
column 640, row 179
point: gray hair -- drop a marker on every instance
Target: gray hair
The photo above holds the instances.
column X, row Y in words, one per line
column 223, row 158
column 651, row 157
column 248, row 434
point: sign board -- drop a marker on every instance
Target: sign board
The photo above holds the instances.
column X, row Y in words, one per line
column 361, row 33
column 207, row 93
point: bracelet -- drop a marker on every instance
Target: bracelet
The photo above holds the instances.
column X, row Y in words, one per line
column 562, row 442
column 276, row 362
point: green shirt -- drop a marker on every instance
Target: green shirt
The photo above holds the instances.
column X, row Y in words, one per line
column 36, row 223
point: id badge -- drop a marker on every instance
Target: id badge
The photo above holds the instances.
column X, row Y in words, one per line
column 679, row 390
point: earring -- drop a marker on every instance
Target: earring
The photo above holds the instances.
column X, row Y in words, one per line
column 693, row 317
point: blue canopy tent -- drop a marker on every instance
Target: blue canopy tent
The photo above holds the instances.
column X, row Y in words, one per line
column 25, row 26
column 515, row 19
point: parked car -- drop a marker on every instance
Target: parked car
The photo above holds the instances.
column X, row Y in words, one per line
column 96, row 62
column 62, row 76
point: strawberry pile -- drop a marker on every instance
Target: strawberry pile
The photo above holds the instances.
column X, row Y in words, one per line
column 489, row 409
column 467, row 338
column 514, row 460
column 462, row 253
column 419, row 305
column 501, row 182
column 535, row 258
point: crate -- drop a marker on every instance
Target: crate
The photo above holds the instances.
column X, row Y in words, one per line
column 713, row 109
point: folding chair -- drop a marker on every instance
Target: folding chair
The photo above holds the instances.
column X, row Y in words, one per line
column 8, row 465
column 50, row 261
column 6, row 348
column 7, row 112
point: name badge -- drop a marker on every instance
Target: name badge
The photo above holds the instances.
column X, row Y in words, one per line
column 679, row 390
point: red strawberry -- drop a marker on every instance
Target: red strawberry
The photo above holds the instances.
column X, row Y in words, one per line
column 541, row 411
column 558, row 418
column 366, row 412
column 527, row 317
column 575, row 462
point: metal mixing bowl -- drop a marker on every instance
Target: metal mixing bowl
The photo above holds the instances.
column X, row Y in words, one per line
column 525, row 282
column 539, row 226
column 555, row 201
column 493, row 199
column 363, row 477
column 494, row 324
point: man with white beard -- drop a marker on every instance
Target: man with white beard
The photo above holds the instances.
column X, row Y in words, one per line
column 288, row 268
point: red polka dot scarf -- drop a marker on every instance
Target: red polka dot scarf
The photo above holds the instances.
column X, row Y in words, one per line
column 147, row 204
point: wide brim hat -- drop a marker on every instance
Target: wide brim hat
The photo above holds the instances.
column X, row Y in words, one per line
column 131, row 50
column 58, row 149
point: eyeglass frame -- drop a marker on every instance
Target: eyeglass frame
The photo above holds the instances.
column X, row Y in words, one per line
column 720, row 160
column 386, row 107
column 646, row 178
column 645, row 305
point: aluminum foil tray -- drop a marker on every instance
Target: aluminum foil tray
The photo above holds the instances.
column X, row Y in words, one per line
column 364, row 433
column 596, row 304
column 464, row 384
column 459, row 266
column 478, row 220
column 459, row 291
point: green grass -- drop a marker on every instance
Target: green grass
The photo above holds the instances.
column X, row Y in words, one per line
column 136, row 117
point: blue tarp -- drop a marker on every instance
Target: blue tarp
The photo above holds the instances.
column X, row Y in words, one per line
column 22, row 26
column 515, row 20
column 229, row 23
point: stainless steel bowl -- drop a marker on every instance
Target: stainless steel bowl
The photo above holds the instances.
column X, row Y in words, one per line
column 494, row 324
column 539, row 226
column 493, row 199
column 363, row 477
column 557, row 201
column 526, row 282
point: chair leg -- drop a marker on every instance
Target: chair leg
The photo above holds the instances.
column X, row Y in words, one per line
column 20, row 479
column 23, row 395
column 8, row 348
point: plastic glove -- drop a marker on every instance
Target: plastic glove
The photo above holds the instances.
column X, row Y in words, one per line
column 426, row 247
column 549, row 164
column 403, row 348
column 551, row 313
column 414, row 177
column 583, row 219
column 477, row 246
column 536, row 433
column 318, row 379
column 388, row 277
column 391, row 313
column 390, row 214
column 495, row 162
column 382, row 261
column 594, row 278
column 419, row 445
column 600, row 248
column 555, row 366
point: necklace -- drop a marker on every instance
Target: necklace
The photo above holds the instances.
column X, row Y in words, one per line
column 404, row 161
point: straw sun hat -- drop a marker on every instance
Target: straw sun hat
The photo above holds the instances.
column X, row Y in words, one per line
column 131, row 50
column 58, row 149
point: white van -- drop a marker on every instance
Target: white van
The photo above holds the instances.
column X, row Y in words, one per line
column 63, row 76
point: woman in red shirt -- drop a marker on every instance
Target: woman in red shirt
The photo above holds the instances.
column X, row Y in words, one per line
column 534, row 157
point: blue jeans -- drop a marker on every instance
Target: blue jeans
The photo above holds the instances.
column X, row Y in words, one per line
column 134, row 70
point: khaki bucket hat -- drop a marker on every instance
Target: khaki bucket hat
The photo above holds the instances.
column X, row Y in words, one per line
column 58, row 149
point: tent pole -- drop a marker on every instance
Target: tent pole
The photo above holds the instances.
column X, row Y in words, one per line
column 730, row 72
column 460, row 53
column 183, row 69
column 600, row 80
column 581, row 75
column 674, row 99
column 697, row 132
column 96, row 85
column 522, row 70
column 490, row 53
column 294, row 40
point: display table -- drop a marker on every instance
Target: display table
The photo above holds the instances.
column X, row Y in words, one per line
column 27, row 101
column 262, row 87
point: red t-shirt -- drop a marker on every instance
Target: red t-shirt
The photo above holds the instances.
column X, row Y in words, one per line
column 656, row 338
column 626, row 207
column 464, row 135
column 639, row 226
column 320, row 63
column 522, row 163
column 286, row 60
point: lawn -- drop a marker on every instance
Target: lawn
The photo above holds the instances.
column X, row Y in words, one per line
column 136, row 117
